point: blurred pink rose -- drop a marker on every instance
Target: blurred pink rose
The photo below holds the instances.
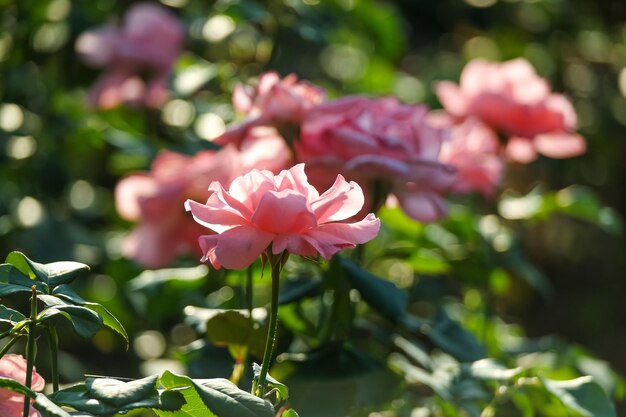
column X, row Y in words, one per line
column 474, row 150
column 382, row 144
column 273, row 102
column 138, row 57
column 511, row 98
column 261, row 209
column 155, row 199
column 12, row 403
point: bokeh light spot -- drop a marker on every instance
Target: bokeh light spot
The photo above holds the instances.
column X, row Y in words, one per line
column 29, row 212
column 149, row 345
column 409, row 89
column 209, row 126
column 82, row 195
column 178, row 113
column 621, row 81
column 218, row 28
column 481, row 47
column 344, row 62
column 58, row 10
column 21, row 147
column 50, row 37
column 481, row 3
column 11, row 117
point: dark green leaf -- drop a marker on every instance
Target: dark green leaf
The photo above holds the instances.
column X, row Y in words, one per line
column 8, row 315
column 107, row 396
column 85, row 322
column 582, row 395
column 296, row 289
column 43, row 403
column 118, row 392
column 66, row 293
column 52, row 274
column 381, row 295
column 454, row 339
column 215, row 397
column 12, row 280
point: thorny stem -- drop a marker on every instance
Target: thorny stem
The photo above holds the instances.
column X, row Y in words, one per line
column 30, row 347
column 276, row 262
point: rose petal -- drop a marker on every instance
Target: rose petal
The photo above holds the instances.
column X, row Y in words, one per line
column 341, row 201
column 237, row 248
column 560, row 145
column 283, row 212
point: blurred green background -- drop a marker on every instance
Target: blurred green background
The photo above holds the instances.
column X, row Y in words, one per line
column 60, row 159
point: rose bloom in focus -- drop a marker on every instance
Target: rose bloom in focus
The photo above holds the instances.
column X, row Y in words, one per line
column 12, row 403
column 261, row 211
column 137, row 57
column 473, row 149
column 155, row 199
column 511, row 98
column 386, row 146
column 273, row 102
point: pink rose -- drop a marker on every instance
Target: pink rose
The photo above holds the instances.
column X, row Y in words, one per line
column 380, row 143
column 261, row 209
column 12, row 403
column 512, row 99
column 155, row 199
column 473, row 149
column 273, row 102
column 138, row 56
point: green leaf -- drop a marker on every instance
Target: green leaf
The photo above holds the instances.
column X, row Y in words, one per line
column 230, row 327
column 582, row 395
column 214, row 398
column 120, row 393
column 52, row 274
column 85, row 322
column 12, row 281
column 101, row 396
column 283, row 391
column 66, row 293
column 451, row 337
column 290, row 413
column 152, row 281
column 381, row 295
column 43, row 403
column 296, row 289
column 15, row 386
column 10, row 316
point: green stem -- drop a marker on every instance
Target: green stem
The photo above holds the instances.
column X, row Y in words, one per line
column 8, row 346
column 277, row 264
column 249, row 291
column 53, row 341
column 30, row 347
column 5, row 334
